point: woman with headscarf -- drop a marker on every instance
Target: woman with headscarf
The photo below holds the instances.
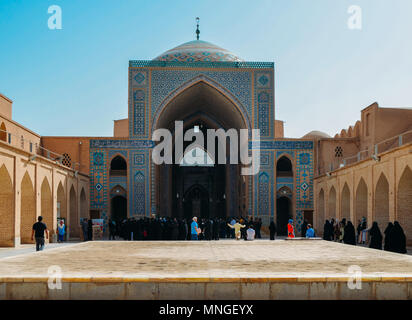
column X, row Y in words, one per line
column 397, row 238
column 349, row 236
column 326, row 231
column 342, row 226
column 272, row 230
column 387, row 244
column 375, row 237
column 304, row 228
column 336, row 230
column 90, row 229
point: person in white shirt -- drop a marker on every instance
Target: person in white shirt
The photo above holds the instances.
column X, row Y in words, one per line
column 250, row 233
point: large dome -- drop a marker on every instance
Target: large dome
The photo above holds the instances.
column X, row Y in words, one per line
column 197, row 50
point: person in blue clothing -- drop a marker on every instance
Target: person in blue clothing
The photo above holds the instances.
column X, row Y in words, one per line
column 310, row 233
column 194, row 229
column 61, row 230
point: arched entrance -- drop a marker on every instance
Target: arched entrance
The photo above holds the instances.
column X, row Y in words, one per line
column 382, row 202
column 284, row 167
column 118, row 166
column 118, row 203
column 345, row 203
column 361, row 203
column 83, row 205
column 196, row 202
column 332, row 203
column 6, row 208
column 74, row 216
column 28, row 209
column 404, row 207
column 321, row 210
column 46, row 205
column 283, row 210
column 201, row 106
column 61, row 203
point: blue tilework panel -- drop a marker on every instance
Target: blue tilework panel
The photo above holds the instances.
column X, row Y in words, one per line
column 99, row 182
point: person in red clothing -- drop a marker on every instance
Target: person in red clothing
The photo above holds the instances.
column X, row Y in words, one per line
column 291, row 231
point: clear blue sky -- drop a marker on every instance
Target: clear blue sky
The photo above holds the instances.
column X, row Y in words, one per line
column 325, row 73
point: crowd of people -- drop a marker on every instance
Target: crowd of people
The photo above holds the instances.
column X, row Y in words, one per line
column 168, row 228
column 394, row 238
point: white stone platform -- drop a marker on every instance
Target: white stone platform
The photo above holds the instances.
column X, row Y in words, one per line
column 228, row 269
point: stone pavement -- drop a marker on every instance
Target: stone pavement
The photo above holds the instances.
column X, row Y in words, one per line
column 230, row 269
column 29, row 248
column 185, row 259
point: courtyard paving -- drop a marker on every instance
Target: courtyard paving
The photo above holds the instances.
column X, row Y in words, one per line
column 206, row 259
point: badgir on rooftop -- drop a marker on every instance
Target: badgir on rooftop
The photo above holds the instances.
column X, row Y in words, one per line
column 365, row 170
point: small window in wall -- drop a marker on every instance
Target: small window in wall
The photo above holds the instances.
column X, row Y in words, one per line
column 67, row 161
column 338, row 152
column 9, row 138
column 22, row 142
column 31, row 146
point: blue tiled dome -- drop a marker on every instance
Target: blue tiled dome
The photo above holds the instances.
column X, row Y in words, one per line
column 197, row 50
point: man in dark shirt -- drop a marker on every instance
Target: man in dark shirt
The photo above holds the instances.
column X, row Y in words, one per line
column 38, row 231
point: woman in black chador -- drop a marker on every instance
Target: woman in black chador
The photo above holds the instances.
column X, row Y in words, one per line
column 327, row 231
column 349, row 236
column 90, row 229
column 397, row 239
column 375, row 237
column 387, row 244
column 272, row 229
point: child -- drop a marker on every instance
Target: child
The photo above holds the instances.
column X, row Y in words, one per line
column 237, row 226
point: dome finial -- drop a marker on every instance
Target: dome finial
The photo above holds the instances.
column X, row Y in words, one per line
column 197, row 30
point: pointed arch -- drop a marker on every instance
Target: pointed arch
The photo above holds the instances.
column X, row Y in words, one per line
column 46, row 204
column 236, row 110
column 61, row 202
column 321, row 210
column 332, row 203
column 6, row 208
column 345, row 203
column 83, row 205
column 361, row 201
column 381, row 203
column 284, row 167
column 118, row 165
column 74, row 216
column 404, row 202
column 3, row 132
column 27, row 208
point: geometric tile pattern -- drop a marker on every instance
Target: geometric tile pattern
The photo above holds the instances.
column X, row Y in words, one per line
column 264, row 195
column 98, row 181
column 264, row 113
column 139, row 97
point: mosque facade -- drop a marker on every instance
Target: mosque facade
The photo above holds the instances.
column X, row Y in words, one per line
column 365, row 171
column 209, row 87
